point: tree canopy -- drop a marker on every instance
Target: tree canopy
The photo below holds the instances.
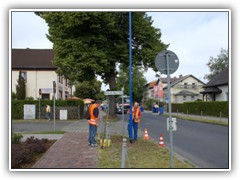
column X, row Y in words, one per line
column 217, row 64
column 20, row 87
column 137, row 83
column 87, row 44
column 89, row 89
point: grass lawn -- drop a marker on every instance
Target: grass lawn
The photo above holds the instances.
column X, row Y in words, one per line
column 141, row 154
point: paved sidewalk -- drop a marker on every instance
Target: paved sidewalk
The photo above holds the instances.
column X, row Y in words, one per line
column 222, row 119
column 71, row 151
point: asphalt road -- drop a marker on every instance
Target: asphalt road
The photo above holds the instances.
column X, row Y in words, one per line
column 203, row 144
column 38, row 127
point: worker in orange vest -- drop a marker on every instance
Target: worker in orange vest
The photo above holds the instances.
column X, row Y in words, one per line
column 93, row 122
column 133, row 123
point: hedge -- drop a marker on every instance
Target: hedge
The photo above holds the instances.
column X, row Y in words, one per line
column 18, row 105
column 212, row 108
column 148, row 104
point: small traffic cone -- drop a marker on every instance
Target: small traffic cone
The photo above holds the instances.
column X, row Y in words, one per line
column 161, row 142
column 146, row 137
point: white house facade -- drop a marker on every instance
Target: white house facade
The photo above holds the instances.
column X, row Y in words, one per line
column 183, row 89
column 217, row 88
column 35, row 66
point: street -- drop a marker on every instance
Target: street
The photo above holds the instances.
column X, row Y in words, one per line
column 205, row 145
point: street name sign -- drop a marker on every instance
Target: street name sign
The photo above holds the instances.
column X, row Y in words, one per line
column 109, row 93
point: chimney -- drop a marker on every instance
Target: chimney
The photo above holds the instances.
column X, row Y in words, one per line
column 180, row 76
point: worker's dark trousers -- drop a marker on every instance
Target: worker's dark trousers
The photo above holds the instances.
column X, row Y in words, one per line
column 133, row 126
column 92, row 134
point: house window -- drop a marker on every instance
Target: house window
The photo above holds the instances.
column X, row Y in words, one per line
column 193, row 85
column 24, row 75
column 184, row 98
column 192, row 98
column 66, row 82
column 59, row 78
column 152, row 94
column 60, row 95
column 185, row 85
column 46, row 96
column 66, row 94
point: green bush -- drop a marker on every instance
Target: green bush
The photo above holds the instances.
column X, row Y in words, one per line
column 16, row 138
column 148, row 104
column 211, row 108
column 177, row 107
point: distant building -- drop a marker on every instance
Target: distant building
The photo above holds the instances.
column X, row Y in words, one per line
column 149, row 88
column 183, row 89
column 39, row 72
column 217, row 88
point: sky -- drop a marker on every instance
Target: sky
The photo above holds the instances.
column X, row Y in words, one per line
column 193, row 36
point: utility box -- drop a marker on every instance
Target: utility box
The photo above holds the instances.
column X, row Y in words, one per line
column 174, row 124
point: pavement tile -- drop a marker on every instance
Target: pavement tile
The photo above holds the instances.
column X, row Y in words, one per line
column 71, row 151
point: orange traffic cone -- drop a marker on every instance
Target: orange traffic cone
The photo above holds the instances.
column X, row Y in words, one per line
column 161, row 142
column 146, row 137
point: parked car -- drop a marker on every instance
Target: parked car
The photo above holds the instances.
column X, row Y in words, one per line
column 125, row 105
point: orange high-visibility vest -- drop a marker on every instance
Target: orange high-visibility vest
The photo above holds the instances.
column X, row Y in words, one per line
column 92, row 119
column 136, row 115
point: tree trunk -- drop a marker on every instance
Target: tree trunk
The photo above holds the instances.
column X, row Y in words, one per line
column 112, row 85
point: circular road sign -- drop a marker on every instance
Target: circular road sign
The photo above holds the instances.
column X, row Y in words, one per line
column 161, row 61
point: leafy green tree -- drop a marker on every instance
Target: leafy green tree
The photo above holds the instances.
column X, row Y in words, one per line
column 87, row 44
column 14, row 96
column 89, row 89
column 21, row 87
column 216, row 65
column 138, row 82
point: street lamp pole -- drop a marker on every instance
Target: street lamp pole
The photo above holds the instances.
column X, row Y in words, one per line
column 130, row 72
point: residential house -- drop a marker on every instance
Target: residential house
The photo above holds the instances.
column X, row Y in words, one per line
column 217, row 88
column 149, row 88
column 38, row 71
column 183, row 89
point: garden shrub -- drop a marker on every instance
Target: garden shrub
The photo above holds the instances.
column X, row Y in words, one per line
column 16, row 138
column 211, row 108
column 25, row 152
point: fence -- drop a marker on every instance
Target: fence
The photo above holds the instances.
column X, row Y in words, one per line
column 75, row 108
column 73, row 112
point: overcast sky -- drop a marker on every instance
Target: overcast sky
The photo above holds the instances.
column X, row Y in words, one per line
column 193, row 36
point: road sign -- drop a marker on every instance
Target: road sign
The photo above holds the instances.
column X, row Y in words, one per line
column 167, row 63
column 109, row 93
column 161, row 62
column 174, row 124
